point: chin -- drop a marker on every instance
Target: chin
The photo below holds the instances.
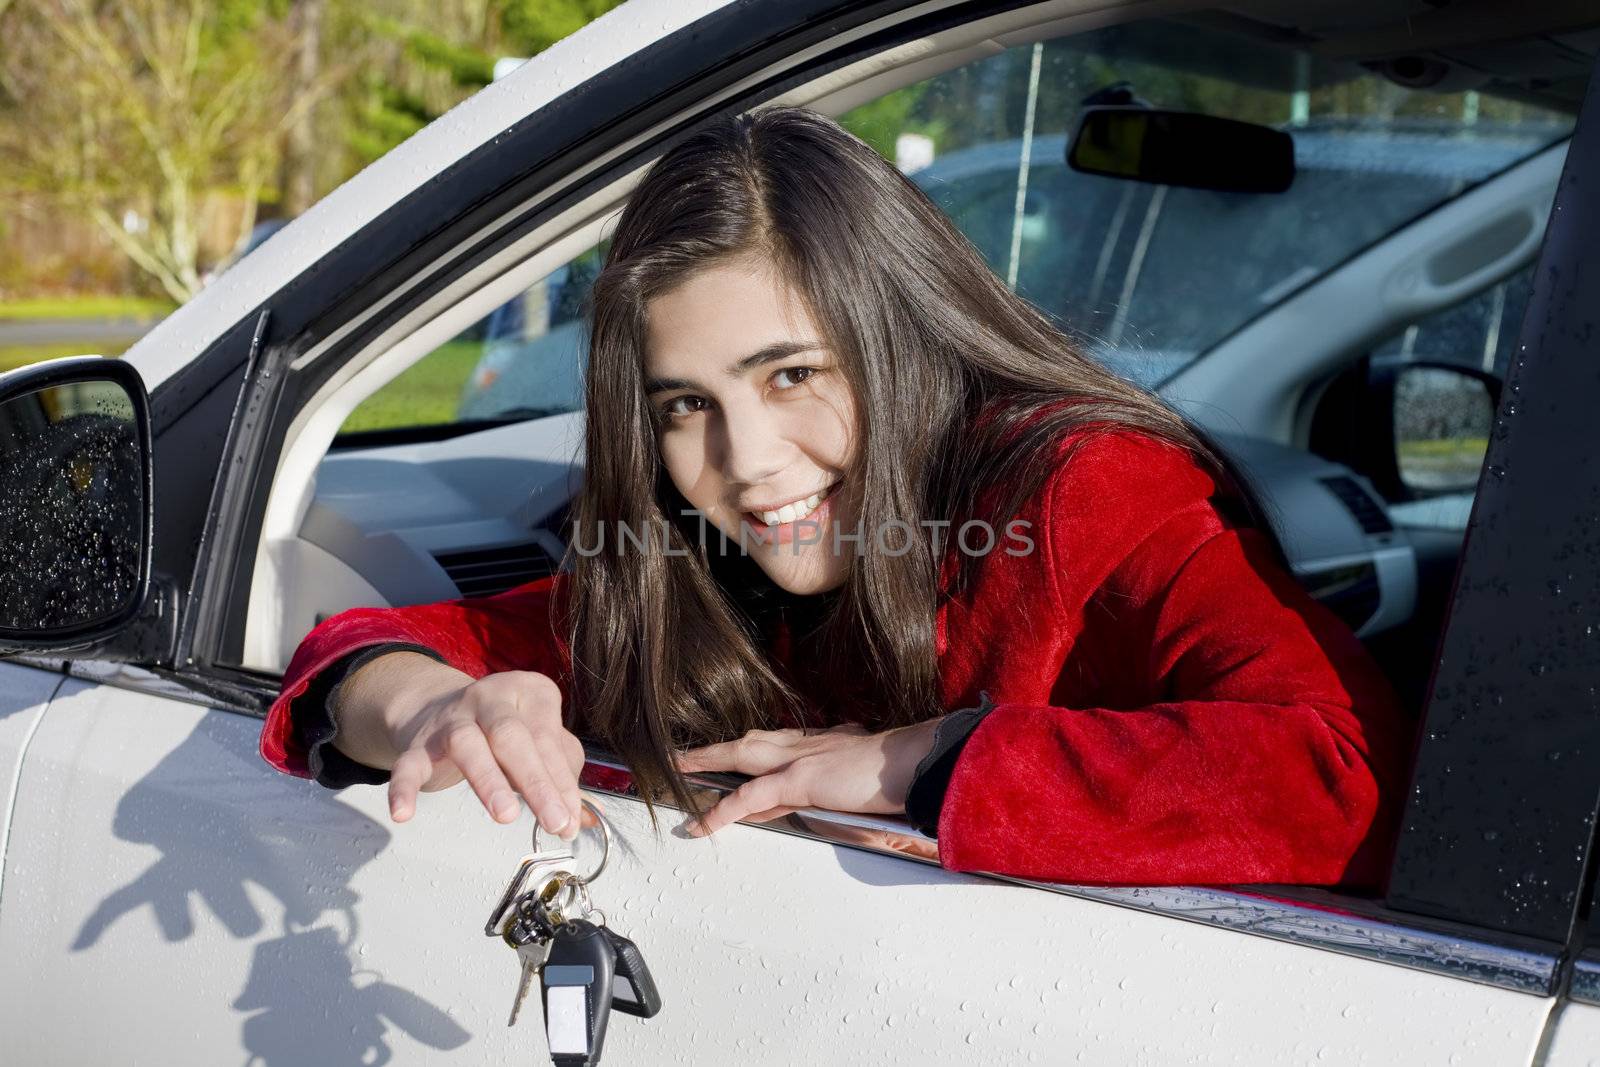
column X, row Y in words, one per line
column 804, row 577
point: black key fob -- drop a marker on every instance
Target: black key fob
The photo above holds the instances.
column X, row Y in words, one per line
column 634, row 990
column 576, row 985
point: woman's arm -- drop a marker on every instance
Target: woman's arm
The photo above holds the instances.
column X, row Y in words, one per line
column 476, row 636
column 1267, row 746
column 483, row 701
column 1274, row 750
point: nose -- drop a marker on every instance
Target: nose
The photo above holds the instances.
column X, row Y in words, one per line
column 752, row 448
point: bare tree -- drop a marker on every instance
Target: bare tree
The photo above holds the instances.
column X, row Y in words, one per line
column 300, row 145
column 132, row 111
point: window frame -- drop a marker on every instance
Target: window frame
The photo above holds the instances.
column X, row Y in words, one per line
column 1542, row 811
column 248, row 386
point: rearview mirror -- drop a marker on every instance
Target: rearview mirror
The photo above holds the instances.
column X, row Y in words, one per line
column 75, row 507
column 1182, row 148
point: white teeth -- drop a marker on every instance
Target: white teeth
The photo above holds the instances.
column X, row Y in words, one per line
column 793, row 512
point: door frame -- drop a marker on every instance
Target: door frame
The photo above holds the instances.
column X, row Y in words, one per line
column 1506, row 780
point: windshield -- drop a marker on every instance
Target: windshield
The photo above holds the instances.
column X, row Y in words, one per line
column 1151, row 276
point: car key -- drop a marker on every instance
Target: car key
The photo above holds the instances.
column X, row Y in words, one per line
column 528, row 929
column 532, row 956
column 576, row 983
column 634, row 988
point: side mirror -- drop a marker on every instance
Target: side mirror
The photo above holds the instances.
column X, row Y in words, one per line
column 75, row 502
column 1182, row 148
column 1442, row 417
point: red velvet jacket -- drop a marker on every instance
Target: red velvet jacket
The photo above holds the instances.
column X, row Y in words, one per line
column 1172, row 708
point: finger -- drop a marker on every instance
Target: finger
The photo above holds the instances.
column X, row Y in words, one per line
column 758, row 745
column 748, row 755
column 523, row 762
column 758, row 794
column 589, row 818
column 468, row 749
column 787, row 736
column 771, row 813
column 409, row 772
column 555, row 748
column 572, row 748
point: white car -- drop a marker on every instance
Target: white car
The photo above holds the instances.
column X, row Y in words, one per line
column 166, row 897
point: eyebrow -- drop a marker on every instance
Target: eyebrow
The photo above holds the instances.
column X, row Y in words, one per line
column 767, row 354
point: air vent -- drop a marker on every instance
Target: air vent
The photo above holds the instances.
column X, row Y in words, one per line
column 1359, row 503
column 1351, row 591
column 487, row 571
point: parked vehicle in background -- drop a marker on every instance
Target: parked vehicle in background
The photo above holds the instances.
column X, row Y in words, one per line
column 1085, row 242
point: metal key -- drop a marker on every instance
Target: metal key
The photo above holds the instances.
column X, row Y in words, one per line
column 528, row 922
column 532, row 956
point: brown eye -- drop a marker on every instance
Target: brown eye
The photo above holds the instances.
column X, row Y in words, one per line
column 680, row 406
column 795, row 374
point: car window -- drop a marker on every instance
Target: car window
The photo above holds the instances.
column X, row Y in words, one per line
column 1148, row 276
column 523, row 360
column 1151, row 276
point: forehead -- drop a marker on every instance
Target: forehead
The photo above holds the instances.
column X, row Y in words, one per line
column 720, row 314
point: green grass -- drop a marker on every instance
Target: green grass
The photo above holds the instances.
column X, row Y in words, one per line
column 14, row 356
column 84, row 307
column 1444, row 447
column 425, row 394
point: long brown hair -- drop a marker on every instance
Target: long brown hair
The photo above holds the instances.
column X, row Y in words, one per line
column 666, row 649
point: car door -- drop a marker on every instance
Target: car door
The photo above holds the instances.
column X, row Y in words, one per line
column 161, row 881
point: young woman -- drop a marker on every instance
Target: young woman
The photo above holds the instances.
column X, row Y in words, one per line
column 860, row 523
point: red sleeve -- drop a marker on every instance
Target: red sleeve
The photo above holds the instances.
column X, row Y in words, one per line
column 1273, row 748
column 477, row 635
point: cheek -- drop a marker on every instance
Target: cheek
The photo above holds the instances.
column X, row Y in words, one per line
column 829, row 427
column 683, row 455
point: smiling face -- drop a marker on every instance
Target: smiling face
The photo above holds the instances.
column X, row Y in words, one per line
column 756, row 421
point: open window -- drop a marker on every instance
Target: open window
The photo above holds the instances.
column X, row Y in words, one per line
column 457, row 444
column 376, row 501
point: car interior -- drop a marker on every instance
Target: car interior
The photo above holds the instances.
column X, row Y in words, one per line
column 1344, row 338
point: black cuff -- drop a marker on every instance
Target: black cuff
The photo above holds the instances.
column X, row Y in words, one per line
column 931, row 779
column 311, row 716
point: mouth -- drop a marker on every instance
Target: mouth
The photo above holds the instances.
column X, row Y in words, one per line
column 791, row 513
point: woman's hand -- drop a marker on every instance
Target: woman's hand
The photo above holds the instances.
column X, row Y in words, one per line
column 845, row 768
column 503, row 733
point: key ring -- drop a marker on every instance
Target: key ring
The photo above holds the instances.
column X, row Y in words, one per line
column 605, row 837
column 495, row 927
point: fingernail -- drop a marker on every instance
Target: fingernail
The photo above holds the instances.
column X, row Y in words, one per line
column 504, row 805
